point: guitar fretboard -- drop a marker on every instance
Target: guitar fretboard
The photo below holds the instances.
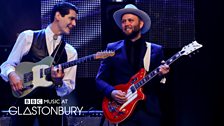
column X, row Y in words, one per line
column 72, row 63
column 156, row 71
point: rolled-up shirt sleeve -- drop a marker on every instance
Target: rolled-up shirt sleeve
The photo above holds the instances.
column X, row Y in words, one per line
column 21, row 47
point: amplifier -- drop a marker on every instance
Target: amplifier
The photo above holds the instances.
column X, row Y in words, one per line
column 4, row 121
column 86, row 118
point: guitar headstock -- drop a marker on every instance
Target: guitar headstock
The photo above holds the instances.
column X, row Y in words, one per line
column 190, row 48
column 104, row 54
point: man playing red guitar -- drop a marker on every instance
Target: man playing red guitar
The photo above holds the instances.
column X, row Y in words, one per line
column 132, row 54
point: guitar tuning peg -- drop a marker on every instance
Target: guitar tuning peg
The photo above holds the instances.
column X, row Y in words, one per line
column 190, row 55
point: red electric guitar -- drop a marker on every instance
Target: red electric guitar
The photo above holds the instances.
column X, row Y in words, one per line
column 116, row 112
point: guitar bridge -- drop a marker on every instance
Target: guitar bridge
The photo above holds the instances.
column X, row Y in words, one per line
column 112, row 106
column 27, row 87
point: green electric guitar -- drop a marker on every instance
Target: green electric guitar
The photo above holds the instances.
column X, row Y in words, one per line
column 34, row 75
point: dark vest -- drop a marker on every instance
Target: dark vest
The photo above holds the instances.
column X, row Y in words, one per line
column 37, row 52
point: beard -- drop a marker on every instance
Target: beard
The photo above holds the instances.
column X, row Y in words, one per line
column 133, row 34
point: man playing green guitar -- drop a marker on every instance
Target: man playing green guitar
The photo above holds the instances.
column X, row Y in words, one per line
column 33, row 46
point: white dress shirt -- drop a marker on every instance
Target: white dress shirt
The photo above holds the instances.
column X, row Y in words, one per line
column 22, row 47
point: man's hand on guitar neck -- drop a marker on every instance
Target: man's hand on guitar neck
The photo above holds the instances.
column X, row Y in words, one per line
column 15, row 82
column 57, row 74
column 119, row 96
column 164, row 68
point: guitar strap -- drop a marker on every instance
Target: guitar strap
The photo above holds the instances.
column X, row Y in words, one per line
column 147, row 56
column 58, row 52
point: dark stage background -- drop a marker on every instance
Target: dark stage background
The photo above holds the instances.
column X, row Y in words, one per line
column 193, row 96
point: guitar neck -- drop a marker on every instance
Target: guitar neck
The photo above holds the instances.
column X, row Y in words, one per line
column 78, row 61
column 73, row 63
column 155, row 72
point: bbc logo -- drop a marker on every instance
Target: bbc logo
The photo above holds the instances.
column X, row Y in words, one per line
column 33, row 101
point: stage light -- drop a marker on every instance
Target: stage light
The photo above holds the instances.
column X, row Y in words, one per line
column 117, row 0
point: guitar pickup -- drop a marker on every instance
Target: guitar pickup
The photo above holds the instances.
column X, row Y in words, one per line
column 41, row 73
column 133, row 89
